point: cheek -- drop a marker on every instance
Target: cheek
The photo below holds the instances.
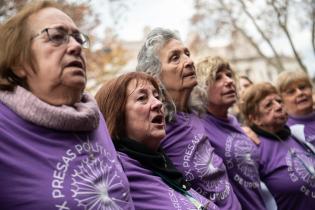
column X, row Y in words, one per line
column 214, row 93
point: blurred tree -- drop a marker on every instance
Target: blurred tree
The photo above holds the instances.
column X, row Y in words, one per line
column 104, row 60
column 9, row 7
column 260, row 22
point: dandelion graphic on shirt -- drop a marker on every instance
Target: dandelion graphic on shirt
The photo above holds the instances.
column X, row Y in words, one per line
column 303, row 164
column 91, row 183
column 243, row 154
column 209, row 167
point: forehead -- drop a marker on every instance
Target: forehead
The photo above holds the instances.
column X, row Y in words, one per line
column 269, row 97
column 141, row 84
column 172, row 45
column 297, row 82
column 224, row 69
column 50, row 17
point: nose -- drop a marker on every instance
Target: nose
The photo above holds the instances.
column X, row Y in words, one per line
column 278, row 106
column 188, row 61
column 156, row 104
column 228, row 80
column 298, row 91
column 74, row 47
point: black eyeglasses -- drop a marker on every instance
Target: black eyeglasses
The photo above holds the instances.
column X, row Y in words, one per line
column 60, row 36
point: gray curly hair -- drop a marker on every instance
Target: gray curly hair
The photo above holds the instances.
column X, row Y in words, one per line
column 149, row 62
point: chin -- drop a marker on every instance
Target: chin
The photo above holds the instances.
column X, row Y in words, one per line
column 76, row 84
column 158, row 136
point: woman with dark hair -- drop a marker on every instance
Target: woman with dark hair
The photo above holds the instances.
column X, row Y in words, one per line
column 186, row 143
column 135, row 115
column 286, row 165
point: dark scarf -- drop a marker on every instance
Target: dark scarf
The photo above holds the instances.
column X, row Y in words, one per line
column 280, row 135
column 156, row 161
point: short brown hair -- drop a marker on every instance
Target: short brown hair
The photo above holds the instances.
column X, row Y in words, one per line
column 288, row 77
column 112, row 99
column 252, row 97
column 15, row 42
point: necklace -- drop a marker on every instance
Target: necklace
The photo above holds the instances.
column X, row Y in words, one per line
column 90, row 152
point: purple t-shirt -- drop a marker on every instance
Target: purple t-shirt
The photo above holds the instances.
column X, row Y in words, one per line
column 309, row 125
column 149, row 191
column 289, row 173
column 241, row 157
column 188, row 147
column 47, row 169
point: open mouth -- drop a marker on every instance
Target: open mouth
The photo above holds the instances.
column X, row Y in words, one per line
column 76, row 64
column 189, row 74
column 229, row 92
column 158, row 119
column 302, row 100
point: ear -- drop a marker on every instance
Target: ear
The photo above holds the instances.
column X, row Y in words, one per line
column 19, row 71
column 255, row 119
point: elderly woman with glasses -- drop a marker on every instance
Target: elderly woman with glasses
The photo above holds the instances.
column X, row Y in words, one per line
column 56, row 152
column 186, row 143
column 286, row 165
column 135, row 115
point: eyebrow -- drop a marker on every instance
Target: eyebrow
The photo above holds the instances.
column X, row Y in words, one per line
column 178, row 50
column 61, row 27
column 145, row 90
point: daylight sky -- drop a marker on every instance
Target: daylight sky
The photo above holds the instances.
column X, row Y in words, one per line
column 173, row 14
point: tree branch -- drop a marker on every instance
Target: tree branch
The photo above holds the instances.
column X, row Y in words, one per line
column 263, row 35
column 283, row 26
column 247, row 37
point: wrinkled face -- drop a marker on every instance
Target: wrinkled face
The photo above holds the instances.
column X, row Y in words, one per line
column 144, row 114
column 59, row 69
column 178, row 70
column 222, row 92
column 244, row 84
column 297, row 98
column 271, row 114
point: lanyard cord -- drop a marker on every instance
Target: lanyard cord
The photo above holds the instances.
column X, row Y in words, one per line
column 306, row 145
column 182, row 190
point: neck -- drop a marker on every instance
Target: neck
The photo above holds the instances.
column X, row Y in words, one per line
column 61, row 97
column 302, row 113
column 271, row 128
column 180, row 99
column 82, row 116
column 218, row 111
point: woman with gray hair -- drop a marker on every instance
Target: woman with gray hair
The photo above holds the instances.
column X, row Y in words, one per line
column 164, row 56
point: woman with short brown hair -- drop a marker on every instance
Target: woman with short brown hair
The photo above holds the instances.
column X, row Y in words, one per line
column 286, row 165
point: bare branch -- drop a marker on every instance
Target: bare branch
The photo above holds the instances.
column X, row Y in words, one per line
column 284, row 27
column 249, row 39
column 263, row 35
